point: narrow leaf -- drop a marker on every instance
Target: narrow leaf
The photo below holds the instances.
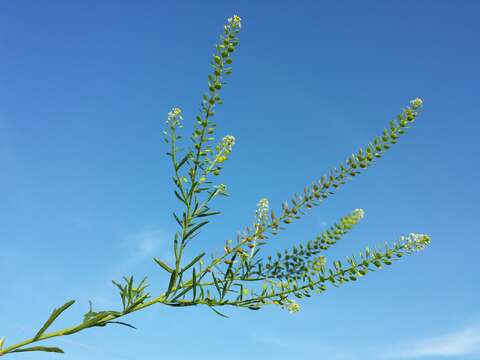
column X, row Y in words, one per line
column 209, row 213
column 40, row 348
column 183, row 161
column 177, row 219
column 195, row 228
column 138, row 301
column 216, row 284
column 194, row 285
column 218, row 312
column 183, row 292
column 178, row 196
column 163, row 265
column 193, row 262
column 55, row 314
column 122, row 323
column 173, row 278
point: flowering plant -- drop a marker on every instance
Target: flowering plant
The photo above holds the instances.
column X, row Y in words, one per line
column 240, row 276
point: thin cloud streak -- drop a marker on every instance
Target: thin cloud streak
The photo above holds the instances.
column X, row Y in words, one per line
column 147, row 243
column 465, row 342
column 138, row 247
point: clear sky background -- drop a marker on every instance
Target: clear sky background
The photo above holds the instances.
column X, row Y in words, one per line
column 86, row 193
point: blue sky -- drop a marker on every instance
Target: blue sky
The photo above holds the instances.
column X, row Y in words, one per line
column 86, row 192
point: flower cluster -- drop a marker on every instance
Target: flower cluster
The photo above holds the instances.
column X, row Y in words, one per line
column 221, row 189
column 357, row 215
column 416, row 103
column 228, row 142
column 174, row 117
column 261, row 214
column 224, row 148
column 416, row 242
column 235, row 22
column 292, row 306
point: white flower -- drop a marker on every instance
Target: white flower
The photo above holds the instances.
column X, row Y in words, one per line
column 416, row 103
column 416, row 242
column 358, row 214
column 222, row 189
column 224, row 148
column 174, row 116
column 235, row 22
column 292, row 306
column 228, row 142
column 175, row 112
column 262, row 210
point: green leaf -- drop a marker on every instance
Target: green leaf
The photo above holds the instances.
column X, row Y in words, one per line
column 193, row 262
column 215, row 281
column 194, row 284
column 183, row 292
column 121, row 323
column 95, row 319
column 2, row 341
column 179, row 196
column 122, row 292
column 179, row 222
column 209, row 213
column 40, row 348
column 183, row 161
column 163, row 265
column 195, row 228
column 171, row 284
column 55, row 314
column 218, row 312
column 140, row 300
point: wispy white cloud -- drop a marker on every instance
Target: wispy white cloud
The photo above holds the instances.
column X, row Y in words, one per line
column 464, row 342
column 136, row 249
column 146, row 243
